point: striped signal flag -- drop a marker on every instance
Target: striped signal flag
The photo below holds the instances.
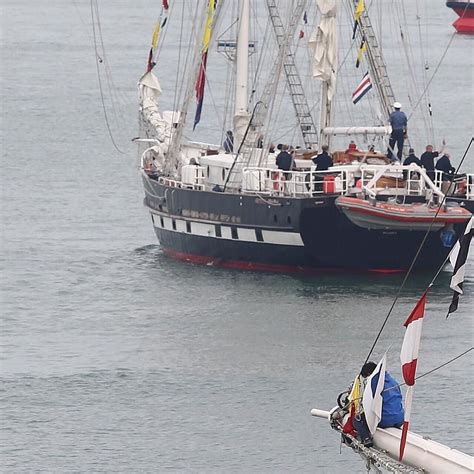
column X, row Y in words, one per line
column 409, row 360
column 458, row 258
column 358, row 12
column 362, row 89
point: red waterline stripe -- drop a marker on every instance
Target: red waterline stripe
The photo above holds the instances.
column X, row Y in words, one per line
column 266, row 267
column 385, row 271
column 236, row 264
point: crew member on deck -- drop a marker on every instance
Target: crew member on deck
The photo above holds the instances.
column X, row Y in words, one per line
column 412, row 158
column 398, row 120
column 352, row 147
column 392, row 407
column 444, row 165
column 427, row 160
column 323, row 161
column 284, row 160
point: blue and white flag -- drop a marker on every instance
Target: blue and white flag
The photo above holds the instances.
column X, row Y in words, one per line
column 372, row 397
column 362, row 88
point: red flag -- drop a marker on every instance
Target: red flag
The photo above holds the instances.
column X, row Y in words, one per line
column 409, row 359
column 165, row 4
column 301, row 34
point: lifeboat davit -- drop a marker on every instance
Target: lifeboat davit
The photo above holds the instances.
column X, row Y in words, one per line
column 394, row 216
column 465, row 22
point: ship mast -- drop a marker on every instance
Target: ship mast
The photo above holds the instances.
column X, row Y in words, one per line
column 241, row 115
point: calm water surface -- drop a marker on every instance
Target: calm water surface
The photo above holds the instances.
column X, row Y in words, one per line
column 115, row 358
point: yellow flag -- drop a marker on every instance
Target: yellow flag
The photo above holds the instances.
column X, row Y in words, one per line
column 354, row 396
column 359, row 9
column 358, row 12
column 208, row 28
column 360, row 54
column 156, row 34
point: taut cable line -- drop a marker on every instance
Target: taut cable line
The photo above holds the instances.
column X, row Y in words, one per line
column 397, row 296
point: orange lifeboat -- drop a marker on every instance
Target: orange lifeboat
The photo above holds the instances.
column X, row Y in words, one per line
column 394, row 216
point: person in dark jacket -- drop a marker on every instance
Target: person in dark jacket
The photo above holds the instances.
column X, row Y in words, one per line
column 323, row 161
column 427, row 160
column 444, row 165
column 392, row 406
column 398, row 120
column 412, row 158
column 284, row 160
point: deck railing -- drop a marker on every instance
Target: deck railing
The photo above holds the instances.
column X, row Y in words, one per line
column 276, row 182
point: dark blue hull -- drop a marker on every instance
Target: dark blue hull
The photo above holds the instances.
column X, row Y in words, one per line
column 279, row 233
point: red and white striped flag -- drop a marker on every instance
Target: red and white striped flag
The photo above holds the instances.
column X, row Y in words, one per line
column 409, row 359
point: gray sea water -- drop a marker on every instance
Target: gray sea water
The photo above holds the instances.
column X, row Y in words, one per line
column 115, row 358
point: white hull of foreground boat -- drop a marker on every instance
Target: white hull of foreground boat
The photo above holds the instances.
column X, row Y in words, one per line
column 420, row 452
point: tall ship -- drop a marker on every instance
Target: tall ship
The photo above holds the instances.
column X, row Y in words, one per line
column 233, row 204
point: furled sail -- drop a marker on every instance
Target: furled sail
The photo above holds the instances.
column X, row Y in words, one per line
column 150, row 90
column 323, row 45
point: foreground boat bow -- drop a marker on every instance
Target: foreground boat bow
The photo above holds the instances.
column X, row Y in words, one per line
column 421, row 453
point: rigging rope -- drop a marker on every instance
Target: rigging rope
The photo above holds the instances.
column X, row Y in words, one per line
column 417, row 254
column 439, row 64
column 99, row 60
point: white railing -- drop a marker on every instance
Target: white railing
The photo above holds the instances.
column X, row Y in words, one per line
column 275, row 182
column 470, row 186
column 399, row 179
column 463, row 186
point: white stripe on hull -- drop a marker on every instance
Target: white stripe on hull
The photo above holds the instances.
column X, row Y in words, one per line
column 244, row 234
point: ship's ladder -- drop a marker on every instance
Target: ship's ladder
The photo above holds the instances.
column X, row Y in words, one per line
column 249, row 153
column 293, row 79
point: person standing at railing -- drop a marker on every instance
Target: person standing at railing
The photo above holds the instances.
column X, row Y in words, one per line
column 286, row 163
column 444, row 165
column 284, row 160
column 411, row 158
column 399, row 121
column 323, row 161
column 427, row 160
